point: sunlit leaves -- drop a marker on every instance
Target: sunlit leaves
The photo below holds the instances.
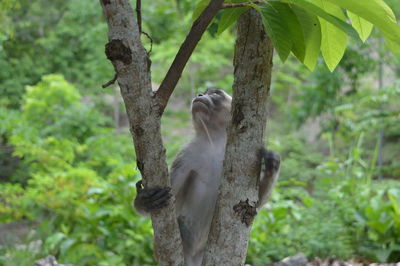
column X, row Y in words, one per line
column 334, row 41
column 362, row 26
column 321, row 13
column 324, row 27
column 278, row 30
column 295, row 29
column 376, row 12
column 306, row 27
column 312, row 36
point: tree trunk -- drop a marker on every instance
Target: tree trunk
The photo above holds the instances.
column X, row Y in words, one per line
column 235, row 208
column 132, row 66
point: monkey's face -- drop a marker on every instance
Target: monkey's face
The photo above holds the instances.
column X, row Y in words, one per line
column 212, row 108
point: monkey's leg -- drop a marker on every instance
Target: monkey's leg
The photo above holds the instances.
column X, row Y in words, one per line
column 271, row 160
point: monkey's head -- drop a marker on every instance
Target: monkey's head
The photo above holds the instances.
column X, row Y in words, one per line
column 211, row 109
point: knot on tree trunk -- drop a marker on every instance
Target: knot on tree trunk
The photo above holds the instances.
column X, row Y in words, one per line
column 237, row 115
column 116, row 50
column 245, row 211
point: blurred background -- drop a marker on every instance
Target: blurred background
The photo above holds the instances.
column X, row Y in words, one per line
column 67, row 163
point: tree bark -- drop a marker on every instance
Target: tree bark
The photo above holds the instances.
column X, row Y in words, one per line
column 132, row 66
column 238, row 194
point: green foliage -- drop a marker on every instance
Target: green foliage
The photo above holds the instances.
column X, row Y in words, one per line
column 34, row 46
column 209, row 66
column 380, row 219
column 340, row 213
column 91, row 220
column 64, row 169
column 287, row 22
column 362, row 26
column 277, row 29
column 320, row 94
column 80, row 186
column 44, row 101
column 334, row 41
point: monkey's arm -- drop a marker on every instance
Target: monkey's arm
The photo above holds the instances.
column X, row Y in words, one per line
column 150, row 199
column 271, row 163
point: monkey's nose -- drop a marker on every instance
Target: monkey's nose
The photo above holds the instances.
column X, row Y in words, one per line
column 199, row 94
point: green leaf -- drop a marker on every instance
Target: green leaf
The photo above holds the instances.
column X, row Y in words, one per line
column 362, row 26
column 334, row 41
column 377, row 12
column 53, row 241
column 277, row 30
column 312, row 8
column 312, row 35
column 295, row 29
column 395, row 200
column 229, row 16
column 199, row 8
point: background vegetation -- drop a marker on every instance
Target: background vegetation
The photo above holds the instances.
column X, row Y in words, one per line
column 67, row 166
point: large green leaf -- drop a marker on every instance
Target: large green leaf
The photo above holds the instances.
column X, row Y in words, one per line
column 376, row 12
column 362, row 26
column 312, row 8
column 229, row 16
column 334, row 41
column 295, row 29
column 312, row 35
column 277, row 30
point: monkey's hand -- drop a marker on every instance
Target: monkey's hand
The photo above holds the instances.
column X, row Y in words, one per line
column 151, row 199
column 271, row 163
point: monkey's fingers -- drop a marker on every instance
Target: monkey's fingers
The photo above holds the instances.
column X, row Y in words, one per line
column 160, row 202
column 154, row 193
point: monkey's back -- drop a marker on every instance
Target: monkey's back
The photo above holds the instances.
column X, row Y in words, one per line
column 196, row 177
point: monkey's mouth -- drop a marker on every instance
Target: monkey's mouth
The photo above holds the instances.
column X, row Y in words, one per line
column 201, row 100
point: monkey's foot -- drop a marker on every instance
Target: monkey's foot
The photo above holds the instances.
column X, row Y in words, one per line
column 272, row 161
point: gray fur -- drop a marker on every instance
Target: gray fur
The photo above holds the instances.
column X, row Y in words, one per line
column 196, row 173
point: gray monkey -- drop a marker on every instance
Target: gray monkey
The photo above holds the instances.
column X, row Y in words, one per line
column 196, row 172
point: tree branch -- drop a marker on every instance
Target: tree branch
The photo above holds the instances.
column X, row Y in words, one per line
column 110, row 82
column 185, row 51
column 245, row 4
column 151, row 41
column 139, row 14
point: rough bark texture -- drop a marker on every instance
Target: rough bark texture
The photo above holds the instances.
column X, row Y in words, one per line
column 132, row 65
column 235, row 209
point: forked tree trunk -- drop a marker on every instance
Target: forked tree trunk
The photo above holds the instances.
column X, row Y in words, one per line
column 235, row 209
column 253, row 61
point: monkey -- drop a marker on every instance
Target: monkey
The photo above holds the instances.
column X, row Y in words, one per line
column 196, row 173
